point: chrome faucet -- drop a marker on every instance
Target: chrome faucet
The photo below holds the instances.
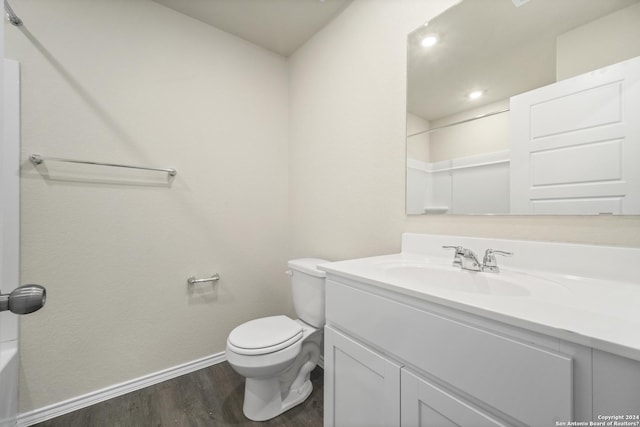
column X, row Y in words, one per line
column 489, row 262
column 468, row 260
column 457, row 258
column 465, row 258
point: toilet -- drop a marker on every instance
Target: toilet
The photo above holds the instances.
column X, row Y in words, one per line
column 276, row 354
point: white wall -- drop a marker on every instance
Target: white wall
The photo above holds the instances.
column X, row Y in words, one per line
column 347, row 130
column 347, row 156
column 603, row 42
column 481, row 136
column 134, row 82
column 417, row 138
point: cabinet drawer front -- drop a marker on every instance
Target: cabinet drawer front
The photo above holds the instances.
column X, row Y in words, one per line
column 531, row 384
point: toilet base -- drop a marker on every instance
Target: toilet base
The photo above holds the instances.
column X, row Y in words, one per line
column 278, row 388
column 263, row 398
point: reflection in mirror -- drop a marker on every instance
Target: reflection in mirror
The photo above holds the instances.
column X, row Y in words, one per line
column 525, row 107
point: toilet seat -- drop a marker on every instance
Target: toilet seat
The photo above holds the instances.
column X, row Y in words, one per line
column 264, row 335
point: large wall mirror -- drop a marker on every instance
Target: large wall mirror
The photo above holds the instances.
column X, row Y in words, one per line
column 525, row 107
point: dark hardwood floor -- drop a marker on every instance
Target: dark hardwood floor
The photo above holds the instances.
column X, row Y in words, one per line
column 209, row 397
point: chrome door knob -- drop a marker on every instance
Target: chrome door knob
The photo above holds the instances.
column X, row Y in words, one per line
column 24, row 299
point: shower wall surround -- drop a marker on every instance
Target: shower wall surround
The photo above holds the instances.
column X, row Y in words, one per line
column 136, row 83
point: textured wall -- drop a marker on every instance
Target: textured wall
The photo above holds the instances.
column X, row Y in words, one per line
column 599, row 43
column 476, row 137
column 347, row 100
column 136, row 83
column 418, row 144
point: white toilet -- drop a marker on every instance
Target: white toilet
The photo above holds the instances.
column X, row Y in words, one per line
column 276, row 354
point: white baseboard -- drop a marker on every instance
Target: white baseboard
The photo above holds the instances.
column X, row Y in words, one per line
column 79, row 402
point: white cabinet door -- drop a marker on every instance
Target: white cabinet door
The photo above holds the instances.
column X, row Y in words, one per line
column 575, row 144
column 425, row 405
column 362, row 388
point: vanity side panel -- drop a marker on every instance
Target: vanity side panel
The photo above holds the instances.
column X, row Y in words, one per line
column 531, row 384
column 582, row 379
column 616, row 386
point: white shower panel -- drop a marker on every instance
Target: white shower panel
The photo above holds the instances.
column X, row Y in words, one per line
column 9, row 237
column 417, row 186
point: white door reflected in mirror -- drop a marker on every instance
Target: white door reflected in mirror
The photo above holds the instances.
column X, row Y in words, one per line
column 461, row 149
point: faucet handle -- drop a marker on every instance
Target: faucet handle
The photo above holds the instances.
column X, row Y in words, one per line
column 489, row 262
column 490, row 252
column 457, row 258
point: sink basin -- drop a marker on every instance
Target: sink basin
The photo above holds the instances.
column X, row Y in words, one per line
column 459, row 280
column 589, row 295
column 507, row 284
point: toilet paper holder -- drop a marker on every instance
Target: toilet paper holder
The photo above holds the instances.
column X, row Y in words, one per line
column 192, row 280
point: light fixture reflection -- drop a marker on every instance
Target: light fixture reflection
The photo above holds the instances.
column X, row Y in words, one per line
column 429, row 40
column 475, row 94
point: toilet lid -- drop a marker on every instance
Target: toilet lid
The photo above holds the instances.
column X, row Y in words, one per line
column 265, row 335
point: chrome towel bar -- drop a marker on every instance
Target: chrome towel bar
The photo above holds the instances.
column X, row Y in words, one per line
column 37, row 159
column 192, row 280
column 13, row 18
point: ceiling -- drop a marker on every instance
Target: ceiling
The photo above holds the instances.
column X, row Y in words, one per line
column 491, row 45
column 277, row 25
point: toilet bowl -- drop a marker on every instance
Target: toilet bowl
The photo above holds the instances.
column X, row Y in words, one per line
column 276, row 354
column 277, row 377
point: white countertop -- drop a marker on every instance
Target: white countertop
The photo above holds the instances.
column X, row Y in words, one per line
column 594, row 312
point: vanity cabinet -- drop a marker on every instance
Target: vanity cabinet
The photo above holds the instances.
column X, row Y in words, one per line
column 364, row 388
column 555, row 345
column 392, row 360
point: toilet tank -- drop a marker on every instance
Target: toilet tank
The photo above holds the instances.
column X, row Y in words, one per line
column 307, row 284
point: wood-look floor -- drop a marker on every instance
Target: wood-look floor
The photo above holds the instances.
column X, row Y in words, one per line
column 209, row 397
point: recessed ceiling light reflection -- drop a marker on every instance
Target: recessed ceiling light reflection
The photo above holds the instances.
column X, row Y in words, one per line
column 429, row 40
column 475, row 94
